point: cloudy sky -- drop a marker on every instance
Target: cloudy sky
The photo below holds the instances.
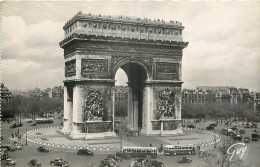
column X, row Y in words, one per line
column 224, row 40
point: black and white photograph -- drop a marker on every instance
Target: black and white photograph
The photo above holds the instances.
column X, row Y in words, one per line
column 130, row 83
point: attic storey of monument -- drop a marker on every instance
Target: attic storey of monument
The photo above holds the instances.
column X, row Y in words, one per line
column 150, row 52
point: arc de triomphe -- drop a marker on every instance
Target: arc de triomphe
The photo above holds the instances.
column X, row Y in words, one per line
column 149, row 51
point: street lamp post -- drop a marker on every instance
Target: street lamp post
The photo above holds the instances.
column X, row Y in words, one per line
column 26, row 137
column 214, row 139
column 18, row 129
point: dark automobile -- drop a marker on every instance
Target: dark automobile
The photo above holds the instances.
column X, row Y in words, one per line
column 246, row 139
column 213, row 125
column 191, row 126
column 8, row 147
column 9, row 162
column 13, row 125
column 237, row 136
column 254, row 125
column 242, row 131
column 234, row 128
column 255, row 136
column 155, row 163
column 184, row 160
column 85, row 152
column 43, row 149
column 210, row 128
column 59, row 162
column 19, row 125
column 34, row 162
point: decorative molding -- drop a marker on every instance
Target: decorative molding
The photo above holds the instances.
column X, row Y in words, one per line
column 94, row 66
column 70, row 68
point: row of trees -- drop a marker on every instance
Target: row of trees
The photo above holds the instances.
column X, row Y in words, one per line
column 30, row 106
column 220, row 111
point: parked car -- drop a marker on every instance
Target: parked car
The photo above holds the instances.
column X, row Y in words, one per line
column 85, row 152
column 125, row 156
column 191, row 126
column 184, row 160
column 10, row 162
column 34, row 162
column 246, row 139
column 43, row 149
column 59, row 162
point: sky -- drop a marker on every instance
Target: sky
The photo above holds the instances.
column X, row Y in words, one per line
column 223, row 50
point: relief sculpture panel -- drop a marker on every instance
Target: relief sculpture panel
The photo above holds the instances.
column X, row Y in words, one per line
column 70, row 68
column 93, row 108
column 93, row 66
column 166, row 107
column 167, row 68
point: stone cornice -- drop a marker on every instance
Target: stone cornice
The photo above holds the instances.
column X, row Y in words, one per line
column 77, row 81
column 79, row 36
column 162, row 82
column 123, row 19
column 123, row 27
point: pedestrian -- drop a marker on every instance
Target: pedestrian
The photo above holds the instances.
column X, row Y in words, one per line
column 151, row 145
column 128, row 137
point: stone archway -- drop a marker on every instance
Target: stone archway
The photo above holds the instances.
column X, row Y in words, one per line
column 95, row 47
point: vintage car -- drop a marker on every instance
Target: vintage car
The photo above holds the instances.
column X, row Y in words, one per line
column 34, row 162
column 85, row 152
column 43, row 149
column 246, row 139
column 59, row 162
column 184, row 160
column 9, row 162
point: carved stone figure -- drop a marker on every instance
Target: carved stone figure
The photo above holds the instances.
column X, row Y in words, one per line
column 93, row 66
column 70, row 68
column 166, row 104
column 93, row 106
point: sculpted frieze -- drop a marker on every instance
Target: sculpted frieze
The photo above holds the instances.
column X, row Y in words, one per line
column 122, row 48
column 70, row 68
column 166, row 68
column 96, row 66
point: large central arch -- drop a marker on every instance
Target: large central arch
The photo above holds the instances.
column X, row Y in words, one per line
column 150, row 52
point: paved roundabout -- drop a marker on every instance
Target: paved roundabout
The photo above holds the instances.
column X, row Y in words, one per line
column 53, row 137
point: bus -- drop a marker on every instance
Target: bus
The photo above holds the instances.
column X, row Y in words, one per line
column 179, row 149
column 140, row 151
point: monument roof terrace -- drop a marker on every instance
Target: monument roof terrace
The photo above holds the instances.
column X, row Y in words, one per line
column 122, row 27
